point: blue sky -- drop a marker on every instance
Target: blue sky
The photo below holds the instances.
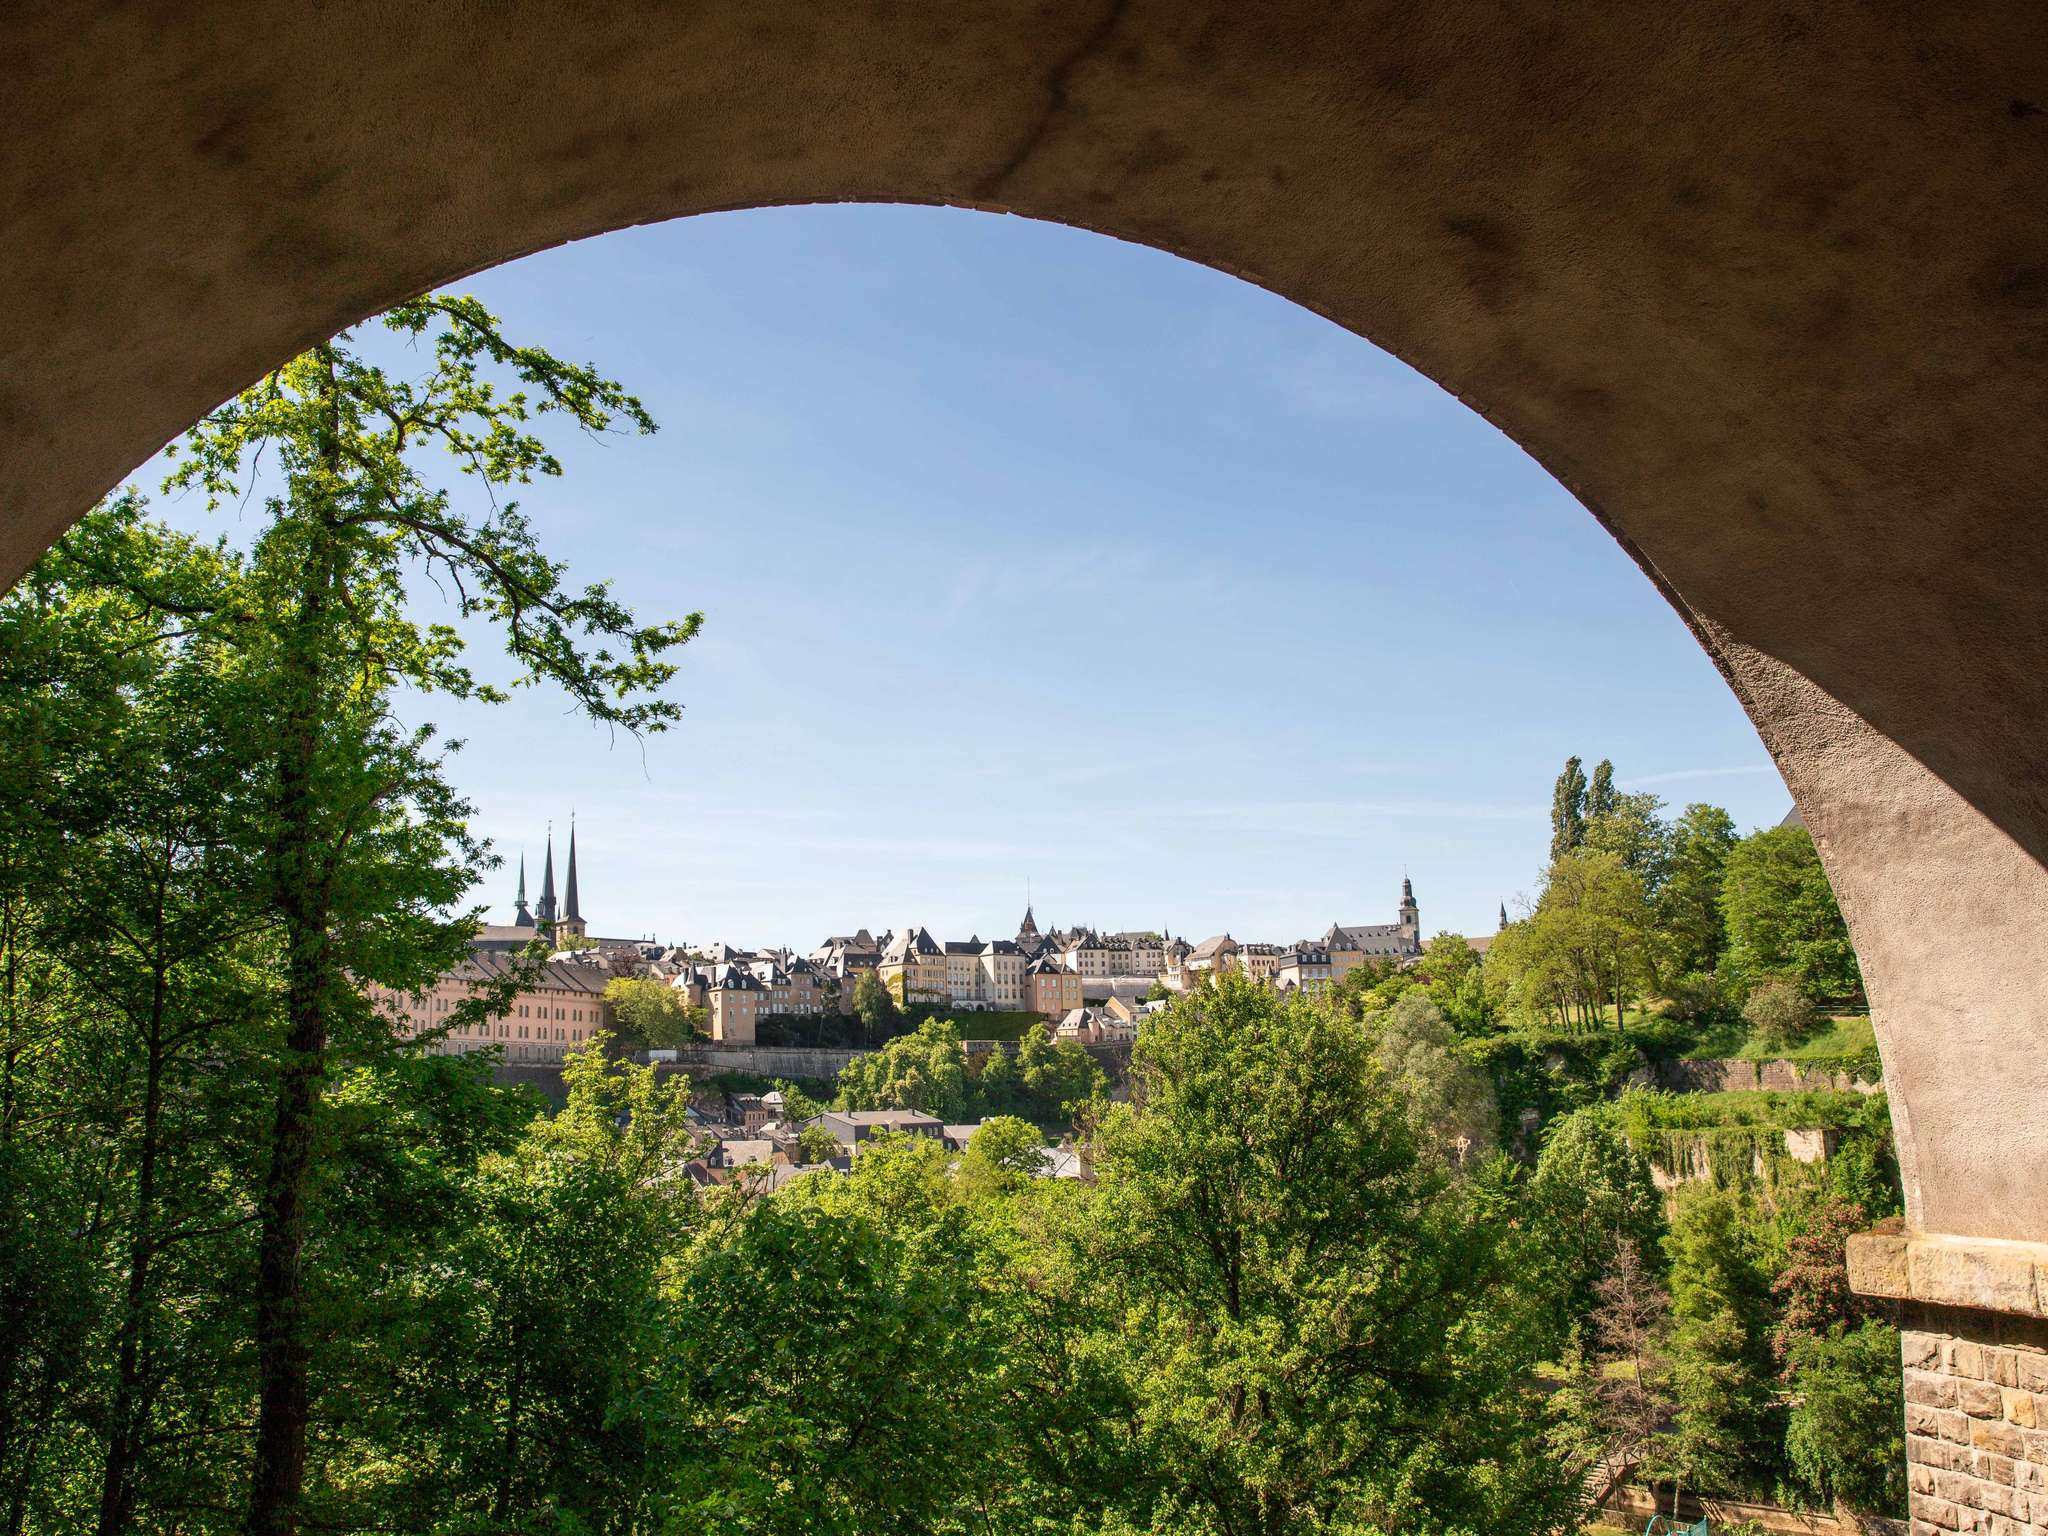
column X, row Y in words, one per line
column 1032, row 557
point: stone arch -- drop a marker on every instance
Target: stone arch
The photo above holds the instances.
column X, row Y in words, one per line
column 1765, row 286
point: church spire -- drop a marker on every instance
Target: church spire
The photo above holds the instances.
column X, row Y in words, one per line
column 521, row 917
column 546, row 910
column 570, row 910
column 1503, row 916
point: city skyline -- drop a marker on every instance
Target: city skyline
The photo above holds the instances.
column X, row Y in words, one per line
column 1032, row 555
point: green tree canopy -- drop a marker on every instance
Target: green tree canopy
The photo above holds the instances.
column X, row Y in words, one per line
column 647, row 1012
column 1261, row 1217
column 1781, row 915
column 1449, row 1097
column 1689, row 904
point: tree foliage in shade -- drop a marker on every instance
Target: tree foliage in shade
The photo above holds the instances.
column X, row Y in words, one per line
column 1449, row 1098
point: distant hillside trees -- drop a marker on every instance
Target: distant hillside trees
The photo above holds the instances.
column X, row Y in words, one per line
column 1635, row 906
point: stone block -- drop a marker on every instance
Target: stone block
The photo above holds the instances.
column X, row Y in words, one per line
column 1919, row 1479
column 1920, row 1351
column 1991, row 1435
column 1934, row 1390
column 2035, row 1442
column 1930, row 1451
column 1877, row 1264
column 1924, row 1528
column 2002, row 1501
column 2030, row 1475
column 1962, row 1358
column 1992, row 1467
column 1980, row 1399
column 1999, row 1366
column 1960, row 1274
column 1923, row 1449
column 2021, row 1408
column 1935, row 1511
column 1956, row 1426
column 2030, row 1369
column 1958, row 1488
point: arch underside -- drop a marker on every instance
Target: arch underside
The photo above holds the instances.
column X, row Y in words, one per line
column 1766, row 288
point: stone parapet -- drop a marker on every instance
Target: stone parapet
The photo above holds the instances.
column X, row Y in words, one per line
column 1983, row 1274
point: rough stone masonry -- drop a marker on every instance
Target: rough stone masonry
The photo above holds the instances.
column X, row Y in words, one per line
column 1976, row 1389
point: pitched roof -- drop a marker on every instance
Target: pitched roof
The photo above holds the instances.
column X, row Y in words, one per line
column 558, row 975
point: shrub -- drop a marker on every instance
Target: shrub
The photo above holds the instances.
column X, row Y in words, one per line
column 1779, row 1014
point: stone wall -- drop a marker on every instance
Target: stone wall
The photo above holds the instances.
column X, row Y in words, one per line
column 1976, row 1386
column 785, row 1061
column 1735, row 1076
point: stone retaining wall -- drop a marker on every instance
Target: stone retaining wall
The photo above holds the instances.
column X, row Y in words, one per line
column 1730, row 1075
column 1634, row 1504
column 784, row 1061
column 1976, row 1421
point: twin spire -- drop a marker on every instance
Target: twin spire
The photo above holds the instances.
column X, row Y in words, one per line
column 544, row 913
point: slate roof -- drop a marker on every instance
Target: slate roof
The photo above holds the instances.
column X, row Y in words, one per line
column 558, row 975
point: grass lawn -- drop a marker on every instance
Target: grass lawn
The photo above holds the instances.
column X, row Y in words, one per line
column 1847, row 1035
column 996, row 1026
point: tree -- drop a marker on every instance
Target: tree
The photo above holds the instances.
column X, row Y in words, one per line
column 363, row 840
column 1450, row 969
column 1003, row 1152
column 133, row 1011
column 1844, row 1434
column 815, row 1144
column 875, row 1006
column 1450, row 1098
column 1617, row 1393
column 1589, row 943
column 1056, row 1077
column 1632, row 828
column 1782, row 918
column 1726, row 1430
column 1600, row 792
column 1779, row 1014
column 1594, row 1194
column 652, row 1013
column 837, row 1361
column 1568, row 810
column 1689, row 905
column 1319, row 1330
column 1812, row 1287
column 923, row 1070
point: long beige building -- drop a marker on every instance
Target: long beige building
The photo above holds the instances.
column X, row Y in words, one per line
column 559, row 1013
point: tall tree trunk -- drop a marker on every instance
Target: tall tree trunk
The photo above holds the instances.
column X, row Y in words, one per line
column 282, row 1348
column 117, row 1489
column 300, row 892
column 514, row 1405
